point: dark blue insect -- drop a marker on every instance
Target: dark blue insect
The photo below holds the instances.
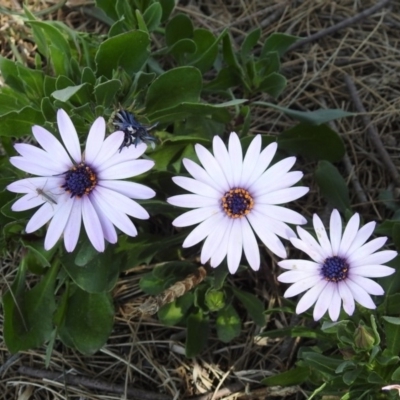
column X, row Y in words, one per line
column 135, row 133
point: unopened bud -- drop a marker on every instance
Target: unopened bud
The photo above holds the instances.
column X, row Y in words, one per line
column 215, row 299
column 364, row 337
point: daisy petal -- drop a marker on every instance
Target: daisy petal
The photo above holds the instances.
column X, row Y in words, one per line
column 372, row 271
column 109, row 232
column 250, row 160
column 126, row 169
column 194, row 216
column 200, row 174
column 381, row 257
column 347, row 298
column 283, row 214
column 301, row 286
column 283, row 195
column 323, row 302
column 73, row 227
column 370, row 286
column 294, row 276
column 263, row 162
column 196, row 187
column 322, row 236
column 335, row 304
column 349, row 234
column 193, row 200
column 366, row 250
column 234, row 247
column 95, row 139
column 335, row 231
column 213, row 240
column 309, row 240
column 200, row 232
column 222, row 249
column 222, row 156
column 108, row 149
column 362, row 236
column 310, row 297
column 360, row 295
column 69, row 135
column 300, row 265
column 92, row 225
column 250, row 245
column 130, row 189
column 41, row 217
column 236, row 156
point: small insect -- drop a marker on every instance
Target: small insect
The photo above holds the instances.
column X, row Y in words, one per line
column 135, row 133
column 43, row 194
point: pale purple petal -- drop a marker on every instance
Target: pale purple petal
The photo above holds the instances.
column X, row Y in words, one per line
column 349, row 234
column 263, row 162
column 362, row 236
column 381, row 257
column 366, row 250
column 372, row 271
column 73, row 227
column 126, row 169
column 335, row 304
column 41, row 217
column 279, row 183
column 368, row 285
column 236, row 156
column 250, row 246
column 319, row 254
column 130, row 189
column 108, row 149
column 200, row 174
column 323, row 301
column 235, row 246
column 201, row 231
column 222, row 249
column 301, row 286
column 347, row 298
column 222, row 156
column 195, row 216
column 30, row 200
column 300, row 265
column 335, row 231
column 274, row 225
column 310, row 297
column 321, row 234
column 250, row 160
column 95, row 140
column 280, row 213
column 213, row 240
column 194, row 200
column 29, row 185
column 109, row 232
column 360, row 295
column 33, row 168
column 197, row 187
column 283, row 195
column 68, row 135
column 92, row 224
column 295, row 276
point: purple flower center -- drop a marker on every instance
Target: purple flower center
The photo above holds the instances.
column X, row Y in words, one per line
column 237, row 203
column 335, row 269
column 80, row 180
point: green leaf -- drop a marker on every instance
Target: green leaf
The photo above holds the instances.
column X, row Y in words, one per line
column 99, row 275
column 226, row 78
column 173, row 87
column 197, row 333
column 108, row 7
column 392, row 331
column 32, row 80
column 167, row 8
column 69, row 92
column 19, row 123
column 152, row 16
column 321, row 363
column 278, row 42
column 88, row 321
column 105, row 93
column 11, row 100
column 228, row 324
column 116, row 52
column 314, row 142
column 332, row 186
column 178, row 28
column 229, row 55
column 9, row 72
column 316, row 117
column 273, row 84
column 396, row 375
column 253, row 305
column 172, row 313
column 249, row 42
column 28, row 315
column 295, row 376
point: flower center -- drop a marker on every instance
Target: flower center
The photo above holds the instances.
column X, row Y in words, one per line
column 335, row 269
column 237, row 203
column 80, row 180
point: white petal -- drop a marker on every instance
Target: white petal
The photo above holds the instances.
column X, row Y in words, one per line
column 381, row 257
column 126, row 169
column 222, row 156
column 92, row 224
column 319, row 253
column 263, row 162
column 41, row 217
column 201, row 231
column 29, row 185
column 73, row 226
column 335, row 231
column 68, row 135
column 109, row 232
column 95, row 139
column 197, row 187
column 302, row 285
column 195, row 216
column 283, row 195
column 235, row 246
column 130, row 153
column 222, row 249
column 109, row 148
column 278, row 183
column 310, row 297
column 360, row 295
column 372, row 271
column 193, row 200
column 300, row 265
column 213, row 240
column 361, row 237
column 212, row 167
column 236, row 156
column 52, row 146
column 27, row 202
column 250, row 246
column 274, row 225
column 267, row 237
column 57, row 224
column 33, row 168
column 282, row 214
column 349, row 234
column 296, row 276
column 323, row 301
column 347, row 298
column 130, row 189
column 250, row 160
column 368, row 285
column 335, row 304
column 200, row 174
column 322, row 236
column 366, row 250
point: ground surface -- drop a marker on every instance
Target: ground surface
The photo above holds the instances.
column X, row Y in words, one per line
column 141, row 353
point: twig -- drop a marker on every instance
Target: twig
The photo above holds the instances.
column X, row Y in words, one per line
column 344, row 24
column 372, row 132
column 9, row 362
column 92, row 383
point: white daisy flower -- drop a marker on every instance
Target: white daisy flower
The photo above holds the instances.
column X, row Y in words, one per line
column 72, row 187
column 235, row 198
column 341, row 267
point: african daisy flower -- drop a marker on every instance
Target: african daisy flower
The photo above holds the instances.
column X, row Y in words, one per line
column 341, row 267
column 234, row 198
column 72, row 187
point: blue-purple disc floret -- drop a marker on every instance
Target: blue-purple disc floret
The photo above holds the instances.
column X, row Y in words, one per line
column 135, row 133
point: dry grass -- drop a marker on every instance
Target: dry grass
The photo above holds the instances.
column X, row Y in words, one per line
column 142, row 353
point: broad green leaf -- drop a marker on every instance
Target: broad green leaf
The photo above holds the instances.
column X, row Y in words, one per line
column 152, row 16
column 178, row 28
column 229, row 54
column 253, row 305
column 69, row 92
column 39, row 37
column 18, row 124
column 314, row 142
column 32, row 80
column 320, row 362
column 172, row 313
column 9, row 73
column 197, row 333
column 116, row 52
column 297, row 331
column 226, row 78
column 295, row 376
column 98, row 275
column 88, row 76
column 108, row 7
column 106, row 93
column 396, row 375
column 391, row 285
column 273, row 84
column 179, row 48
column 140, row 21
column 228, row 324
column 88, row 321
column 316, row 117
column 332, row 186
column 59, row 61
column 167, row 8
column 278, row 42
column 85, row 253
column 268, row 65
column 175, row 86
column 249, row 42
column 11, row 100
column 28, row 314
